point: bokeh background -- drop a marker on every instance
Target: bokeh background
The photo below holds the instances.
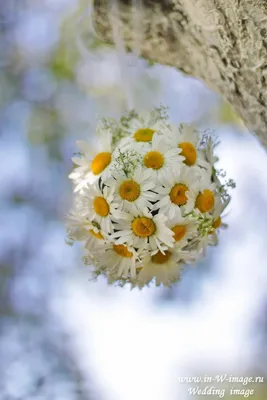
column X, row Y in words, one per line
column 63, row 336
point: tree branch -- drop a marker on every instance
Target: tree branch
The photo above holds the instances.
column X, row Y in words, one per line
column 222, row 42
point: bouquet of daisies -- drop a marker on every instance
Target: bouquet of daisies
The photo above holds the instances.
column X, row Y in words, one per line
column 148, row 198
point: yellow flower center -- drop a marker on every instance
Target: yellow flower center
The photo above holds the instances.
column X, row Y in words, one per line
column 205, row 201
column 189, row 153
column 129, row 190
column 143, row 226
column 177, row 194
column 96, row 234
column 217, row 223
column 144, row 135
column 122, row 250
column 179, row 232
column 100, row 162
column 160, row 258
column 101, row 206
column 153, row 159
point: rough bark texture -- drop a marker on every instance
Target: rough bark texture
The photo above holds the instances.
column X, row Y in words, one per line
column 222, row 42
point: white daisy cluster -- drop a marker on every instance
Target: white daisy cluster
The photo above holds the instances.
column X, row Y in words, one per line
column 148, row 199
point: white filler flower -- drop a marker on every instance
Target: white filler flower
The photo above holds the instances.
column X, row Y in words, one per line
column 149, row 199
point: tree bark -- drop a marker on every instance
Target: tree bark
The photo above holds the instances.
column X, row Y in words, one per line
column 222, row 42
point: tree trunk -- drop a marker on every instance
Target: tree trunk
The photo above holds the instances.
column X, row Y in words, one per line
column 222, row 42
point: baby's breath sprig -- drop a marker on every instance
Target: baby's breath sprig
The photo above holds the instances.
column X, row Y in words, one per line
column 223, row 188
column 207, row 140
column 88, row 260
column 220, row 173
column 126, row 162
column 121, row 282
column 112, row 126
column 69, row 241
column 159, row 114
column 125, row 120
column 118, row 129
column 78, row 154
column 95, row 273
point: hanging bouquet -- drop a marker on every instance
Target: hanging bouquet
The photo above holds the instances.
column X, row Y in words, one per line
column 148, row 198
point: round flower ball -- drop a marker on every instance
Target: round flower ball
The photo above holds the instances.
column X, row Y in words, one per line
column 148, row 198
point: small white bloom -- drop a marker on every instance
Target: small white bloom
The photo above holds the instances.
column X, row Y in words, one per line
column 124, row 162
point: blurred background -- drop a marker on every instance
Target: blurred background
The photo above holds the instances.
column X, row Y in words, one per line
column 63, row 336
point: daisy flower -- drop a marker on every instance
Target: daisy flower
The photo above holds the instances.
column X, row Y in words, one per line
column 80, row 228
column 141, row 229
column 142, row 129
column 93, row 162
column 159, row 157
column 98, row 206
column 207, row 230
column 184, row 228
column 118, row 259
column 165, row 268
column 134, row 191
column 177, row 193
column 205, row 199
column 187, row 139
column 96, row 239
column 219, row 207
